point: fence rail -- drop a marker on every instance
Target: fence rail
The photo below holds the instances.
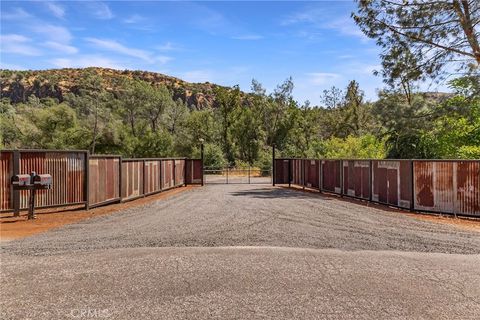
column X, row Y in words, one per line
column 441, row 186
column 91, row 180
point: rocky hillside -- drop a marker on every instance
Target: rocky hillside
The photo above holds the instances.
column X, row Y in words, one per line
column 55, row 83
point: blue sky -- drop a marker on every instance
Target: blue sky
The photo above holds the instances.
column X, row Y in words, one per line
column 227, row 43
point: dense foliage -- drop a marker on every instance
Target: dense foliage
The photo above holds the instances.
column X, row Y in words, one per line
column 141, row 120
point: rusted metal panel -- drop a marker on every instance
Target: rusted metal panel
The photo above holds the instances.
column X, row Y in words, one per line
column 179, row 172
column 281, row 171
column 311, row 173
column 356, row 178
column 331, row 175
column 167, row 174
column 297, row 171
column 447, row 186
column 104, row 179
column 132, row 179
column 152, row 176
column 468, row 188
column 6, row 172
column 193, row 171
column 391, row 181
column 68, row 175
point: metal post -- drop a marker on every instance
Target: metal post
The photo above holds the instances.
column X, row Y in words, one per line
column 120, row 178
column 412, row 186
column 201, row 154
column 31, row 201
column 185, row 172
column 289, row 173
column 341, row 178
column 16, row 193
column 160, row 175
column 249, row 174
column 370, row 180
column 273, row 165
column 227, row 173
column 304, row 161
column 320, row 177
column 144, row 176
column 86, row 181
column 174, row 168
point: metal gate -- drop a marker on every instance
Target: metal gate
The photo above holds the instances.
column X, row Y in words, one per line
column 229, row 175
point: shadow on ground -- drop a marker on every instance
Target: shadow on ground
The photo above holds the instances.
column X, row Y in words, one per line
column 272, row 193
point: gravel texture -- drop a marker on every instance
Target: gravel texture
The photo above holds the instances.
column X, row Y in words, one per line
column 244, row 251
column 250, row 215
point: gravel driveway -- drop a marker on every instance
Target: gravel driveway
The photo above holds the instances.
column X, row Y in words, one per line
column 247, row 251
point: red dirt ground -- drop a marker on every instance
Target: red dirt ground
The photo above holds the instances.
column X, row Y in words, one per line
column 19, row 227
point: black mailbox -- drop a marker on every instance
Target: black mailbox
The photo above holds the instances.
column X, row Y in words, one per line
column 21, row 180
column 42, row 181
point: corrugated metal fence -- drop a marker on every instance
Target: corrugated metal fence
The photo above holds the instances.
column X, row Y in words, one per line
column 442, row 186
column 91, row 180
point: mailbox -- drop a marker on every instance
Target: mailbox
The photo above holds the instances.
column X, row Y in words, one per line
column 42, row 181
column 21, row 180
column 31, row 182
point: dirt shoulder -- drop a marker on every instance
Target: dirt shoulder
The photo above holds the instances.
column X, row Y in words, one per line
column 471, row 224
column 19, row 227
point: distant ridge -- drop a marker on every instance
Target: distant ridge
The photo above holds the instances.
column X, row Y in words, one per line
column 55, row 83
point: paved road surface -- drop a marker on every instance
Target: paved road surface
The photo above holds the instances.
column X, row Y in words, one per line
column 241, row 251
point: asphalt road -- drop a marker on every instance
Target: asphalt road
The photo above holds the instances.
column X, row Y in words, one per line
column 240, row 251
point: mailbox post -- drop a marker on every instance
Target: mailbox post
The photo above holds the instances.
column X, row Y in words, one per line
column 32, row 182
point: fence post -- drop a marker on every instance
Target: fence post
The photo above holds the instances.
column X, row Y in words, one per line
column 341, row 178
column 174, row 172
column 144, row 176
column 160, row 176
column 86, row 181
column 273, row 165
column 370, row 180
column 412, row 185
column 201, row 154
column 185, row 172
column 120, row 178
column 320, row 175
column 16, row 193
column 289, row 173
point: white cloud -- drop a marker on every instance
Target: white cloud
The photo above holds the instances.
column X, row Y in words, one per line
column 18, row 44
column 135, row 18
column 163, row 59
column 319, row 17
column 100, row 10
column 346, row 56
column 322, row 78
column 114, row 46
column 117, row 47
column 15, row 14
column 197, row 76
column 167, row 46
column 56, row 9
column 59, row 47
column 52, row 32
column 248, row 37
column 86, row 61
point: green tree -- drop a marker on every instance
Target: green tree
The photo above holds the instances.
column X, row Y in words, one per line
column 438, row 34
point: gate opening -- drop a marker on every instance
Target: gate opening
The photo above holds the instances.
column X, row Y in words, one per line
column 228, row 175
